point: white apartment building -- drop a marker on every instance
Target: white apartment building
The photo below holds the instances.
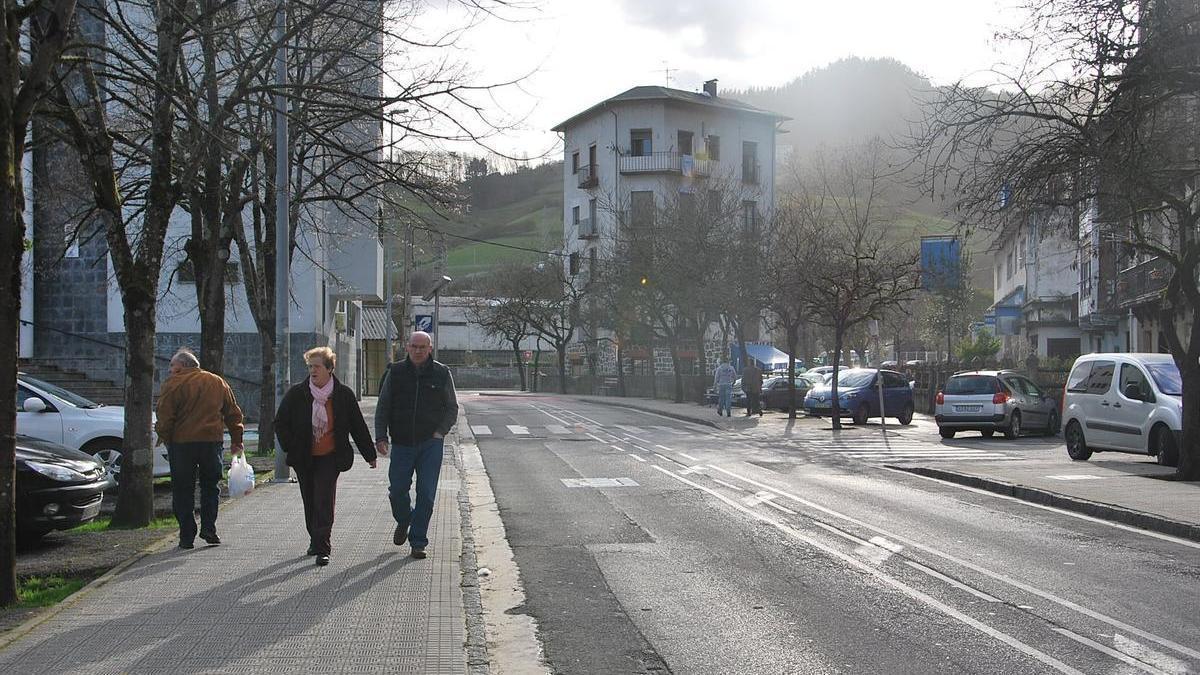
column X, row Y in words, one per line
column 639, row 149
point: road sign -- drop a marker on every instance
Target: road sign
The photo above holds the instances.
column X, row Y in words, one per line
column 424, row 322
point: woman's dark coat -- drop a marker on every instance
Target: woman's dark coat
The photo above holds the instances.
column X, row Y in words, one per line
column 293, row 427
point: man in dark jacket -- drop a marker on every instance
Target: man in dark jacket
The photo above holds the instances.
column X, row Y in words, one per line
column 417, row 406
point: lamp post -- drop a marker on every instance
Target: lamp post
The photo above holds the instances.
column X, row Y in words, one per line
column 283, row 231
column 436, row 295
column 386, row 240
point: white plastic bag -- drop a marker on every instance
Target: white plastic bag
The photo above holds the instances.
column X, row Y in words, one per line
column 241, row 477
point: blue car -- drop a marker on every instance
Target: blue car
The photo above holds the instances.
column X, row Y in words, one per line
column 858, row 396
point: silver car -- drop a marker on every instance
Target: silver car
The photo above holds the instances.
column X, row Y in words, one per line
column 994, row 400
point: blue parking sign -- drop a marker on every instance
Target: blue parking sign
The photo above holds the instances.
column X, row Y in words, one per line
column 424, row 322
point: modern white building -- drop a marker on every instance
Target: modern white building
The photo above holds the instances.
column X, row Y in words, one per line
column 640, row 149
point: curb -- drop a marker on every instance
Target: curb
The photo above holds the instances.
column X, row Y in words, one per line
column 1140, row 519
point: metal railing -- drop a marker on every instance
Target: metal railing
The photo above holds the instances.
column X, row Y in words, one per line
column 587, row 176
column 666, row 162
column 1143, row 282
column 587, row 228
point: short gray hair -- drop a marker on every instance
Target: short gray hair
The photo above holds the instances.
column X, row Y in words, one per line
column 184, row 357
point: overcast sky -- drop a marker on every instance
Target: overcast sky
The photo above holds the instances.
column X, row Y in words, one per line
column 578, row 52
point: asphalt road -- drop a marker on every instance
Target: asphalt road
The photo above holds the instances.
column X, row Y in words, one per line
column 651, row 545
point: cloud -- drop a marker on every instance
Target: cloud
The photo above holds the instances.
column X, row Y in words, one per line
column 719, row 24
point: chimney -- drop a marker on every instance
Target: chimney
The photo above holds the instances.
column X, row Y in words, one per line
column 710, row 88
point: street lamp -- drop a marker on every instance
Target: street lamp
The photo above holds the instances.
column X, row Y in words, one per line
column 435, row 294
column 387, row 266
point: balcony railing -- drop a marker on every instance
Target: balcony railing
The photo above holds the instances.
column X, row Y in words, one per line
column 1143, row 283
column 586, row 228
column 666, row 162
column 587, row 176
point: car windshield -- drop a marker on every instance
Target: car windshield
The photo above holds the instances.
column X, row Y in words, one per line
column 1166, row 376
column 967, row 385
column 855, row 378
column 67, row 396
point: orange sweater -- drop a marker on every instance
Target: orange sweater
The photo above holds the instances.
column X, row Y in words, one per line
column 196, row 405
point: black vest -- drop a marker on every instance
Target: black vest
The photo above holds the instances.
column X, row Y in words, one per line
column 418, row 400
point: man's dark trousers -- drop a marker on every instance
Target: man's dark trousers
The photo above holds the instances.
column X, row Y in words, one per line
column 188, row 461
column 318, row 490
column 426, row 460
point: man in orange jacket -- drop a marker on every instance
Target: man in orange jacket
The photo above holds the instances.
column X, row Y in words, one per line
column 194, row 408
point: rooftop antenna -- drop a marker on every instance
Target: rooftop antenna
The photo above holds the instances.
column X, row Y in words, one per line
column 667, row 70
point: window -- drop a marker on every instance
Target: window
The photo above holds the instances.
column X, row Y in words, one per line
column 1008, row 266
column 1132, row 375
column 750, row 218
column 573, row 264
column 712, row 147
column 749, row 162
column 643, row 208
column 574, row 215
column 592, row 159
column 574, row 162
column 592, row 211
column 1077, row 382
column 683, row 142
column 1101, row 377
column 893, row 381
column 640, row 143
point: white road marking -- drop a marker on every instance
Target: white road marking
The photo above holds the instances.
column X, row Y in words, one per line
column 731, row 486
column 632, row 430
column 692, row 469
column 663, row 457
column 599, row 482
column 885, row 544
column 481, row 430
column 1046, row 595
column 670, row 430
column 557, row 429
column 780, row 508
column 1144, row 654
column 518, row 430
column 663, row 447
column 640, row 459
column 617, row 447
column 1075, row 477
column 688, row 457
column 889, row 580
column 1123, row 658
column 596, row 438
column 758, row 498
column 953, row 582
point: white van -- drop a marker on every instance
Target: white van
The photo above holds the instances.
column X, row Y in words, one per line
column 1123, row 402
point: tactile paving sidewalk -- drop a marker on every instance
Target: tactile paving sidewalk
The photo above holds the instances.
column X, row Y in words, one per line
column 258, row 604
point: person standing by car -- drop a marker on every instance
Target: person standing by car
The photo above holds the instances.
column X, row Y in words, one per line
column 752, row 386
column 417, row 406
column 723, row 378
column 314, row 425
column 194, row 406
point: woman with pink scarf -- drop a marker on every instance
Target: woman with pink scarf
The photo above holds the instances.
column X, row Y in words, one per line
column 314, row 425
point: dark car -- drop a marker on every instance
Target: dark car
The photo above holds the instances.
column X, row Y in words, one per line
column 858, row 396
column 57, row 487
column 775, row 394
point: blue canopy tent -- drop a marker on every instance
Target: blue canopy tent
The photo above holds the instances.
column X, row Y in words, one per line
column 766, row 357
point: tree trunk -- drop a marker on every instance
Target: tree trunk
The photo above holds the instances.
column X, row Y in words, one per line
column 793, row 339
column 701, row 360
column 211, row 296
column 12, row 247
column 135, row 496
column 838, row 334
column 674, row 346
column 266, row 396
column 561, row 350
column 516, row 347
column 1189, row 445
column 535, row 376
column 621, row 366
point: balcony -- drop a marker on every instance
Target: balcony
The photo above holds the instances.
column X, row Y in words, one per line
column 666, row 162
column 588, row 178
column 1143, row 283
column 586, row 228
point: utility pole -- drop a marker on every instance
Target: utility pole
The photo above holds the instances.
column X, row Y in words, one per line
column 283, row 231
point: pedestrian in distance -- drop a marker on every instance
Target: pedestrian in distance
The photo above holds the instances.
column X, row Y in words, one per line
column 752, row 386
column 194, row 408
column 723, row 378
column 314, row 424
column 417, row 406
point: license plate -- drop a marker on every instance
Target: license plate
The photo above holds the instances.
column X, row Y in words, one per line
column 92, row 510
column 968, row 408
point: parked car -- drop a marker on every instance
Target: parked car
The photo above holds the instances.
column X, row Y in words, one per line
column 56, row 487
column 1124, row 402
column 51, row 413
column 776, row 391
column 988, row 401
column 858, row 396
column 827, row 370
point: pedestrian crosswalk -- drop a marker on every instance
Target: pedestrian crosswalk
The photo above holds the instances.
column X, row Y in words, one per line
column 548, row 430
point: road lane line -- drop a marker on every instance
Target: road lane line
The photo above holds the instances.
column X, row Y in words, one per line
column 693, row 469
column 663, row 447
column 616, row 447
column 1079, row 516
column 953, row 582
column 640, row 459
column 665, row 458
column 596, row 438
column 781, row 508
column 481, row 430
column 885, row 578
column 1124, row 658
column 686, row 456
column 1046, row 595
column 731, row 486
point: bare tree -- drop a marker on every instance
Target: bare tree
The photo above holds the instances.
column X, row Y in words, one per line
column 34, row 38
column 838, row 204
column 1103, row 123
column 792, row 255
column 502, row 312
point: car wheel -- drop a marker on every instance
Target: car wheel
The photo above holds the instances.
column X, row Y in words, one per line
column 987, row 433
column 946, row 433
column 108, row 454
column 1164, row 447
column 1014, row 426
column 1077, row 448
column 1052, row 424
column 860, row 415
column 905, row 417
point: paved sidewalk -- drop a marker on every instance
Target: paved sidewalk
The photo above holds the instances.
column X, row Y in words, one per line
column 258, row 604
column 1119, row 487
